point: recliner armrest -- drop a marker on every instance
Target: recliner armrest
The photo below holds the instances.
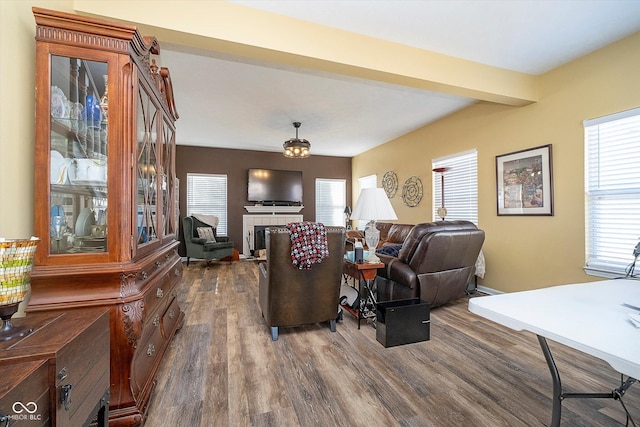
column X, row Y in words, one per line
column 222, row 239
column 198, row 240
column 398, row 271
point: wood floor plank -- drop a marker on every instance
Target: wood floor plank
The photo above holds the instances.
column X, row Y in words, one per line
column 223, row 369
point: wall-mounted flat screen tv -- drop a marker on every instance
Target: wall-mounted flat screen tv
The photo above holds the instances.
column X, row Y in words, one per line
column 275, row 186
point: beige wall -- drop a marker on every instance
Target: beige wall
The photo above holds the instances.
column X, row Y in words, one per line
column 17, row 81
column 522, row 252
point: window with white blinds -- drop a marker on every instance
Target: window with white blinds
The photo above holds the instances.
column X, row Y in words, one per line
column 460, row 186
column 331, row 199
column 207, row 195
column 369, row 181
column 612, row 192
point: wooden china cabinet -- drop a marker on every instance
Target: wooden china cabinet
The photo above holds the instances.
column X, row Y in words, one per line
column 105, row 190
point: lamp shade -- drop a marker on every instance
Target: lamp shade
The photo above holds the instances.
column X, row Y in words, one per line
column 373, row 204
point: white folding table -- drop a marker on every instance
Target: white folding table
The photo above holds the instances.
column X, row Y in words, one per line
column 590, row 317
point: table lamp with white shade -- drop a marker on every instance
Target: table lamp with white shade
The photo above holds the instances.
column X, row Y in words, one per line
column 373, row 205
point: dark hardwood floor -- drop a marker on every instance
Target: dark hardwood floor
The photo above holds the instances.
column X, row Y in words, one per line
column 223, row 369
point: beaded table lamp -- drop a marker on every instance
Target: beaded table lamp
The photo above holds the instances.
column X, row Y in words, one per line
column 16, row 261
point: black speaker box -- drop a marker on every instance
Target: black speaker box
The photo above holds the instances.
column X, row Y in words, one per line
column 402, row 322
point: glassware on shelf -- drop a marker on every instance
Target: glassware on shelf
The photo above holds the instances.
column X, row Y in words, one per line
column 93, row 113
column 58, row 227
column 104, row 100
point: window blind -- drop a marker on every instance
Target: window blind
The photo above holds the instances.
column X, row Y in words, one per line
column 460, row 186
column 207, row 195
column 612, row 192
column 369, row 181
column 330, row 201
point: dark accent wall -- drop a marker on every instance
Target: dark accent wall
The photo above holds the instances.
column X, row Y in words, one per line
column 236, row 163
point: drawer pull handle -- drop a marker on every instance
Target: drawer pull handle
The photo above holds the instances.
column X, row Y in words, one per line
column 176, row 272
column 65, row 396
column 159, row 293
column 172, row 314
column 156, row 320
column 158, row 264
column 143, row 274
column 62, row 374
column 151, row 350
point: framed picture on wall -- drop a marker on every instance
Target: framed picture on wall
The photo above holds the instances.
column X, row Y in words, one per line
column 525, row 182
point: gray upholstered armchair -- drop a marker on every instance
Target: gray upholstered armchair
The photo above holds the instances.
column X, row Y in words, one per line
column 289, row 296
column 207, row 248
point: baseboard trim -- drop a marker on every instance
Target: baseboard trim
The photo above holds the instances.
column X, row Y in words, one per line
column 489, row 291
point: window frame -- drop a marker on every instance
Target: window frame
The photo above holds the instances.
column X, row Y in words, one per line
column 612, row 192
column 336, row 211
column 460, row 186
column 217, row 192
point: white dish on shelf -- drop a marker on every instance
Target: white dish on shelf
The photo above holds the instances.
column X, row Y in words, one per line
column 88, row 172
column 59, row 167
column 58, row 103
column 84, row 222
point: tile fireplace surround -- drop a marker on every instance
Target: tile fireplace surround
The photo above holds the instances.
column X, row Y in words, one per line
column 249, row 222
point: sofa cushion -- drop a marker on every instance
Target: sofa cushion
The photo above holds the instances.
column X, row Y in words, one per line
column 207, row 234
column 397, row 233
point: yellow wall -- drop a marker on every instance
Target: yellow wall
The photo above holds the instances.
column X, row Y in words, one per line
column 17, row 109
column 522, row 252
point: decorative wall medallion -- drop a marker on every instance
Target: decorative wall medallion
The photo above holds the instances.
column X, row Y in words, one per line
column 390, row 183
column 412, row 191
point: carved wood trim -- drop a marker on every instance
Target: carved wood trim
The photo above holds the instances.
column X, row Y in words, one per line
column 133, row 314
column 128, row 284
column 166, row 87
column 82, row 39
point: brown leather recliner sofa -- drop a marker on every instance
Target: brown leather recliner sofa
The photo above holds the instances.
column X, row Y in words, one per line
column 436, row 262
column 390, row 234
column 289, row 296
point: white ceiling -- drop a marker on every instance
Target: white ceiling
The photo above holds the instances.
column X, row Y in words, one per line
column 230, row 102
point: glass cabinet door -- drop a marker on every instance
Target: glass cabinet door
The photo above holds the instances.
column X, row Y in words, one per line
column 167, row 179
column 79, row 152
column 147, row 124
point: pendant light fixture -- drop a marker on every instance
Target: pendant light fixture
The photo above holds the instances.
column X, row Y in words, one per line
column 296, row 148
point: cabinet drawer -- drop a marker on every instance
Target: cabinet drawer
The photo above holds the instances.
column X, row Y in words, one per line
column 24, row 394
column 170, row 318
column 159, row 292
column 82, row 375
column 147, row 357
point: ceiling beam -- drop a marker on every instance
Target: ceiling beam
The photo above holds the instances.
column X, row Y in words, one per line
column 237, row 30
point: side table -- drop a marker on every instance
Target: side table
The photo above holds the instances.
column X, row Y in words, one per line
column 365, row 276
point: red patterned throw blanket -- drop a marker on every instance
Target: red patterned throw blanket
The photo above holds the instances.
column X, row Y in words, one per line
column 308, row 243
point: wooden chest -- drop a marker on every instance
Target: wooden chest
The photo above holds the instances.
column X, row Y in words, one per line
column 59, row 374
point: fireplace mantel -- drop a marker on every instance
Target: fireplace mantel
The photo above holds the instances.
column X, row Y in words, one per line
column 262, row 209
